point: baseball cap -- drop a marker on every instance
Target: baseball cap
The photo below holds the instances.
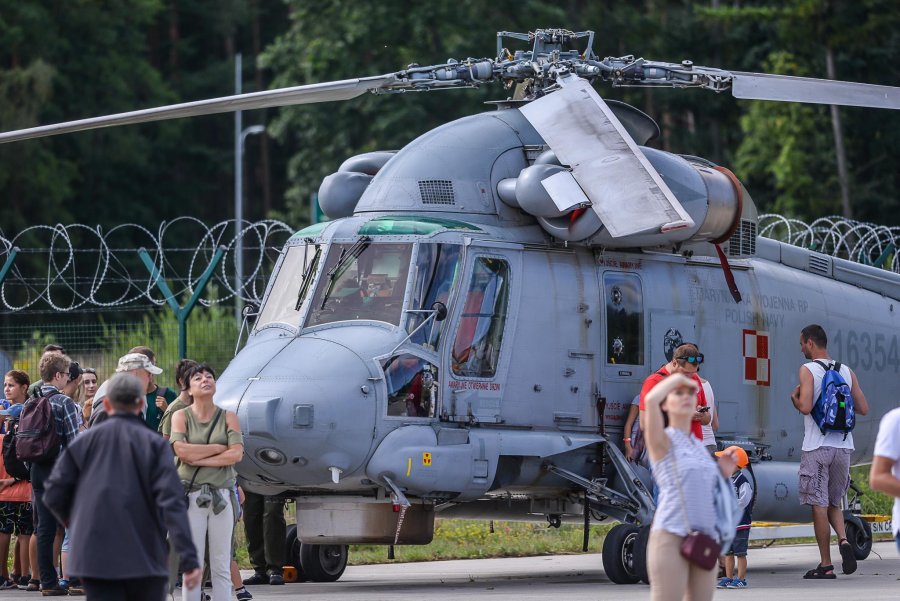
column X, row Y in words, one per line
column 742, row 459
column 133, row 361
column 14, row 411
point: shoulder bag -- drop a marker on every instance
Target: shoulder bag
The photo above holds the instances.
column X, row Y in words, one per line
column 698, row 548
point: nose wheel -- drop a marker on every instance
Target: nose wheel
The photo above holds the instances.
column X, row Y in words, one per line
column 619, row 554
column 315, row 563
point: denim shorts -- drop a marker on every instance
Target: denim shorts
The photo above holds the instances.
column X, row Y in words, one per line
column 739, row 544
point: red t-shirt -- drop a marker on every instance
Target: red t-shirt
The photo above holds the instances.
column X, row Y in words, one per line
column 660, row 375
column 20, row 492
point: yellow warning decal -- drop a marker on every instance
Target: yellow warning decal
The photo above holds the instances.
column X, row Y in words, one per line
column 426, row 459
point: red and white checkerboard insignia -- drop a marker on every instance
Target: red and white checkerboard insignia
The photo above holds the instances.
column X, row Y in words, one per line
column 756, row 358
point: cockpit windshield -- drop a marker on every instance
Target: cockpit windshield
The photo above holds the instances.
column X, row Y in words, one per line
column 291, row 286
column 361, row 281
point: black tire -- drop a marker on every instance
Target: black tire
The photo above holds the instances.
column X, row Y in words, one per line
column 860, row 539
column 323, row 563
column 639, row 555
column 618, row 554
column 292, row 548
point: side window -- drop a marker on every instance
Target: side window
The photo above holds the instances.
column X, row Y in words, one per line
column 476, row 350
column 624, row 319
column 412, row 386
column 437, row 269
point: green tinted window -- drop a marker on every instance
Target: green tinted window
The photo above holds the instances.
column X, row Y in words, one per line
column 405, row 225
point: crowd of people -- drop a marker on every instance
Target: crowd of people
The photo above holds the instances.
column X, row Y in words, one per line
column 670, row 430
column 166, row 455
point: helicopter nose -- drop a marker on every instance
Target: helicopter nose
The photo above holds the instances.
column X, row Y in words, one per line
column 308, row 416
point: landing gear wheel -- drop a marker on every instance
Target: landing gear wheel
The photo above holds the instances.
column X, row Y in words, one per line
column 639, row 555
column 292, row 551
column 618, row 554
column 860, row 539
column 323, row 563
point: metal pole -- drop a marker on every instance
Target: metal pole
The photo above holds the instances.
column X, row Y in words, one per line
column 10, row 259
column 238, row 195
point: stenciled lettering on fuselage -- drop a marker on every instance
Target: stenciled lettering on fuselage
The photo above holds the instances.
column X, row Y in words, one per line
column 763, row 312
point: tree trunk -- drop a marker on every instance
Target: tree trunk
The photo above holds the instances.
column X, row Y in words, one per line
column 840, row 154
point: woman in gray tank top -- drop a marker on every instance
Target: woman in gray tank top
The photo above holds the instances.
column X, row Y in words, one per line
column 207, row 443
column 687, row 480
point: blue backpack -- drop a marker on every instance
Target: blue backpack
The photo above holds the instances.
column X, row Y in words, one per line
column 833, row 410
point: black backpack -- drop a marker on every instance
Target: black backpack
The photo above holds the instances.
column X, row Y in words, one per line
column 15, row 467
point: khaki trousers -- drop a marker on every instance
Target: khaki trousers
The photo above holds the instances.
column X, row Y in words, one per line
column 672, row 577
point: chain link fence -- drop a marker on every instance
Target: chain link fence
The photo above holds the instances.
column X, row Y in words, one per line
column 212, row 334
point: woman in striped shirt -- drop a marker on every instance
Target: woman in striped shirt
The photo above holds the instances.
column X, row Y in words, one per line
column 686, row 476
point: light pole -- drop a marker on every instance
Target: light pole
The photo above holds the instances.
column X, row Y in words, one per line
column 240, row 137
column 239, row 214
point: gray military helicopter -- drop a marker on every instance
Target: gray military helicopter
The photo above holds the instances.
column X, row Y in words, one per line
column 465, row 337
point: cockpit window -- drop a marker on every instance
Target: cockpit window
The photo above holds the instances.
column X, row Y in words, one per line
column 412, row 386
column 361, row 281
column 476, row 350
column 291, row 285
column 437, row 271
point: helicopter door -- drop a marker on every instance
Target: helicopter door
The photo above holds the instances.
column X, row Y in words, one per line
column 624, row 344
column 478, row 353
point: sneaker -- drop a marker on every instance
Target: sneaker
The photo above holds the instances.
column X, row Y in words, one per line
column 276, row 579
column 724, row 582
column 23, row 582
column 33, row 585
column 7, row 584
column 257, row 578
column 63, row 583
column 76, row 590
column 242, row 594
column 737, row 583
column 55, row 592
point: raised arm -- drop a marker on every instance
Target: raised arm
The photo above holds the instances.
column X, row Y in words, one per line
column 652, row 418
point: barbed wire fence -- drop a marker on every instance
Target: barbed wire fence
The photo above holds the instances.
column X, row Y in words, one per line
column 839, row 237
column 88, row 289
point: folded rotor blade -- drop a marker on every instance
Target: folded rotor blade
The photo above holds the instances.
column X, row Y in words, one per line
column 318, row 92
column 625, row 191
column 764, row 86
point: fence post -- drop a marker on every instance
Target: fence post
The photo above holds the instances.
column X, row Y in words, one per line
column 181, row 313
column 7, row 265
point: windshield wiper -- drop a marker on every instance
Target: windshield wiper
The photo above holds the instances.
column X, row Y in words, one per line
column 343, row 263
column 307, row 278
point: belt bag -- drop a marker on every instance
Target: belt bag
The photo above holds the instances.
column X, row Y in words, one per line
column 701, row 550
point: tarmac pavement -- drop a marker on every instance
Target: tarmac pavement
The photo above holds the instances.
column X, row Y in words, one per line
column 775, row 574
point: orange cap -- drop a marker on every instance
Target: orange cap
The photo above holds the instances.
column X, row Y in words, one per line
column 740, row 454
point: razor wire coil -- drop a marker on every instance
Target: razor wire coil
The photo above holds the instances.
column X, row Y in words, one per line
column 89, row 267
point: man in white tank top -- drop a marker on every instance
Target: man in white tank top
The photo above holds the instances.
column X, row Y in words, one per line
column 825, row 458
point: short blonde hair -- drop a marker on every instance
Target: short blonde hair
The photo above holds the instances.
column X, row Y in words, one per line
column 52, row 363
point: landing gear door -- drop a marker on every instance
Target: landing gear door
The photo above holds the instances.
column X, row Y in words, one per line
column 479, row 350
column 668, row 330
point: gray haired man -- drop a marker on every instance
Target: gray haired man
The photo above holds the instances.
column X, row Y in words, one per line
column 121, row 553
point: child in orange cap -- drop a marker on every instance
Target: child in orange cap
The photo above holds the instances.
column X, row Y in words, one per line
column 742, row 480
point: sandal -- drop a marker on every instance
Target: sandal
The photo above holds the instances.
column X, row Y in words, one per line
column 848, row 563
column 820, row 573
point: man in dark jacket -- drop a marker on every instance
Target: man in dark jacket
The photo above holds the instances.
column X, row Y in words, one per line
column 121, row 552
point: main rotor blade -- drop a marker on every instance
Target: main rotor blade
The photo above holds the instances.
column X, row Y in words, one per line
column 318, row 92
column 764, row 86
column 625, row 191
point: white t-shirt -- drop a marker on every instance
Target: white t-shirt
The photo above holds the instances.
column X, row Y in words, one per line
column 812, row 436
column 887, row 444
column 709, row 437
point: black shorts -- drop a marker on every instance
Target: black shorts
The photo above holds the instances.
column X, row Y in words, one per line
column 16, row 518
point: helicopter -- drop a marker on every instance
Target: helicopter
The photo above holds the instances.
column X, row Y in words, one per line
column 463, row 338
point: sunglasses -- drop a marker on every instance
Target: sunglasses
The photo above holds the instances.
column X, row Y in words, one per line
column 693, row 360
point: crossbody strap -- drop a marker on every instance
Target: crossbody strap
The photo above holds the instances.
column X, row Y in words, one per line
column 687, row 521
column 208, row 438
